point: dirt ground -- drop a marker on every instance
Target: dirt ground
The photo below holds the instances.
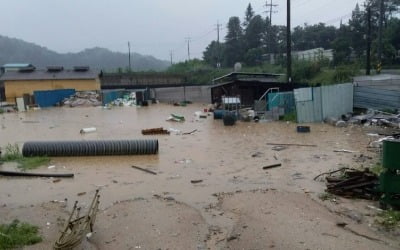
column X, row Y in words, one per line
column 237, row 204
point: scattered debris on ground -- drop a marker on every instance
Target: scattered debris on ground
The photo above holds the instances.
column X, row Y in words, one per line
column 30, row 174
column 353, row 183
column 155, row 131
column 87, row 99
column 126, row 101
column 77, row 226
column 145, row 170
column 189, row 133
column 344, row 151
column 371, row 118
column 291, row 144
column 88, row 130
column 272, row 166
column 176, row 118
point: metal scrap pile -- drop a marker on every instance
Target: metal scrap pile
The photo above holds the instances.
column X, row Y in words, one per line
column 377, row 118
column 371, row 118
column 87, row 98
column 354, row 183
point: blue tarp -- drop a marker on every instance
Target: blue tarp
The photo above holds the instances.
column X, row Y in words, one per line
column 49, row 98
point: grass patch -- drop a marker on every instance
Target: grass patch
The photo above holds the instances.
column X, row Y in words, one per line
column 389, row 219
column 289, row 117
column 1, row 111
column 17, row 234
column 12, row 154
column 326, row 196
column 377, row 169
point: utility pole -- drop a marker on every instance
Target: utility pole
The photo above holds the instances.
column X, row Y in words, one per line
column 188, row 39
column 270, row 5
column 218, row 46
column 288, row 45
column 368, row 66
column 129, row 56
column 170, row 54
column 381, row 15
column 269, row 28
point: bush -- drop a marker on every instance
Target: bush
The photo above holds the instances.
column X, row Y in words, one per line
column 12, row 154
column 18, row 234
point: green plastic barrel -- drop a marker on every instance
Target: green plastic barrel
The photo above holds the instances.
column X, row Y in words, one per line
column 391, row 154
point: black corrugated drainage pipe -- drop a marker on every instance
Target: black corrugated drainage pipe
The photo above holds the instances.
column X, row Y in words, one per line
column 90, row 148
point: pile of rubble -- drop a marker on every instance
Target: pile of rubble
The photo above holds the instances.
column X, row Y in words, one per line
column 371, row 118
column 125, row 101
column 354, row 183
column 87, row 98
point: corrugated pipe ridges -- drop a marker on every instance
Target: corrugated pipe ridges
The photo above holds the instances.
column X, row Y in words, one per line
column 90, row 148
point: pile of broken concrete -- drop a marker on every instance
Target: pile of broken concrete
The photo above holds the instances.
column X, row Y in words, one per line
column 86, row 99
column 371, row 118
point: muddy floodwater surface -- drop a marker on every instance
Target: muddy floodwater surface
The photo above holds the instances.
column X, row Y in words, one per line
column 210, row 191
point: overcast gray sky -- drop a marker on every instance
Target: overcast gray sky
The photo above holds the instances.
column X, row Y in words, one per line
column 153, row 27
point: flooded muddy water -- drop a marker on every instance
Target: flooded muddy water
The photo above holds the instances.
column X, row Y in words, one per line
column 225, row 159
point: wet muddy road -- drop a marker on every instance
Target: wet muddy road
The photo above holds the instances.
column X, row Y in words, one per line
column 167, row 210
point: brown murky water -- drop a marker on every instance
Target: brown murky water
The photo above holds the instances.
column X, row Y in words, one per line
column 221, row 156
column 226, row 159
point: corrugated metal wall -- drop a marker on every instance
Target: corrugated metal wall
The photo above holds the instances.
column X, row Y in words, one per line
column 367, row 97
column 308, row 110
column 337, row 100
column 326, row 101
column 49, row 98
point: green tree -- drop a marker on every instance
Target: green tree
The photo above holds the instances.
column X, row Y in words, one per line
column 233, row 42
column 214, row 53
column 313, row 36
column 342, row 46
column 358, row 28
column 248, row 15
column 254, row 33
column 391, row 42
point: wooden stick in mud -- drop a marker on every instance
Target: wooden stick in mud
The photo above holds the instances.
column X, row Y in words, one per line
column 189, row 133
column 145, row 170
column 26, row 174
column 272, row 166
column 291, row 144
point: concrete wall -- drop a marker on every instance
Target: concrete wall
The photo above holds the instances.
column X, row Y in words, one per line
column 14, row 89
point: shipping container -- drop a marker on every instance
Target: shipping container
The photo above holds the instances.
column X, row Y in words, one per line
column 49, row 98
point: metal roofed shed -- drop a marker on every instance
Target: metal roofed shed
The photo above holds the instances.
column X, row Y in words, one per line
column 248, row 86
